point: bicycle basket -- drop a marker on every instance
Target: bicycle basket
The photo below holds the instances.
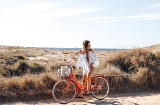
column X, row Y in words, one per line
column 65, row 71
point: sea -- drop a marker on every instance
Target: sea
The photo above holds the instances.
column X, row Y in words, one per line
column 76, row 49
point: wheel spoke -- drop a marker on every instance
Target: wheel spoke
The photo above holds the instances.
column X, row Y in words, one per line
column 64, row 92
column 100, row 88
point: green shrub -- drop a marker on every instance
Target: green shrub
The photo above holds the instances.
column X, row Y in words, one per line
column 21, row 57
column 130, row 60
column 22, row 66
column 36, row 68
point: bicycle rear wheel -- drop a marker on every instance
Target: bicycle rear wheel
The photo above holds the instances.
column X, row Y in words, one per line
column 63, row 92
column 99, row 88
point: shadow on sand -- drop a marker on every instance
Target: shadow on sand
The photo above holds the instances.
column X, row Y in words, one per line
column 113, row 99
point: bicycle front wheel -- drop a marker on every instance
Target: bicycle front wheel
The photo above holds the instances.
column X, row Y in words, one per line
column 64, row 91
column 99, row 88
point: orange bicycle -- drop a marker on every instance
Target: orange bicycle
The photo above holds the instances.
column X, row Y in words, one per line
column 67, row 87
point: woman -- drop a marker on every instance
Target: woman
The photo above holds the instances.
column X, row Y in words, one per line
column 88, row 61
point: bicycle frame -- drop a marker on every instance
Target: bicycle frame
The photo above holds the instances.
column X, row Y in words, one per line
column 70, row 86
column 77, row 84
column 75, row 81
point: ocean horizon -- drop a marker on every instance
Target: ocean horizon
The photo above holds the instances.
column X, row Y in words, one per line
column 76, row 49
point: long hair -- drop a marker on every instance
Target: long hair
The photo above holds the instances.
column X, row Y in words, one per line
column 85, row 46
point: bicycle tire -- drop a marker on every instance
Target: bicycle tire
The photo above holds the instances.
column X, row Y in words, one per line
column 61, row 95
column 97, row 82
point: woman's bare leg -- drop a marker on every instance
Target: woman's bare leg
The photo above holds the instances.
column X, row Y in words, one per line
column 84, row 84
column 84, row 80
column 89, row 78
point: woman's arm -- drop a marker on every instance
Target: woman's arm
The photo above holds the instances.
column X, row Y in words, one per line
column 80, row 51
column 91, row 50
column 79, row 61
column 95, row 59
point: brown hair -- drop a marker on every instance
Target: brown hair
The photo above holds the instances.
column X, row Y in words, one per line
column 85, row 46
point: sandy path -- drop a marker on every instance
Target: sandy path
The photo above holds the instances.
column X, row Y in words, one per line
column 144, row 98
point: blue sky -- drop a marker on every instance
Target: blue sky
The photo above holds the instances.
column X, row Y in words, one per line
column 66, row 23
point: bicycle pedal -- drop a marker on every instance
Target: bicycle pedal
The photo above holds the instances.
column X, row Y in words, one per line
column 92, row 92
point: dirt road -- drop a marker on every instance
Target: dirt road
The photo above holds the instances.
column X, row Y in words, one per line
column 144, row 98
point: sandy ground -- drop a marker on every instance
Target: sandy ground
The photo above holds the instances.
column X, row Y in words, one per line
column 143, row 98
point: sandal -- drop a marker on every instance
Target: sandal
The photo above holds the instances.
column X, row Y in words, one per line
column 87, row 93
column 80, row 95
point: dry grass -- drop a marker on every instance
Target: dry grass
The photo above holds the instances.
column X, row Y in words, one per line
column 28, row 83
column 130, row 61
column 142, row 64
column 20, row 68
column 21, row 87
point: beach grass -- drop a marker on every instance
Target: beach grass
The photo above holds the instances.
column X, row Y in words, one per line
column 126, row 71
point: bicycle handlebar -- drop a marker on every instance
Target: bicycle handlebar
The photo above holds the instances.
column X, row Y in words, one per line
column 72, row 67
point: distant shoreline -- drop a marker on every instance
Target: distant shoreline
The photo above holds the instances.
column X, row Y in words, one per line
column 63, row 49
column 76, row 49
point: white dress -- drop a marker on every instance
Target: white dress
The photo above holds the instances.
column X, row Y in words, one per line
column 82, row 62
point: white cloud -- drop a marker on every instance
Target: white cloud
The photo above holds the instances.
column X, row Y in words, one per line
column 37, row 24
column 124, row 18
column 144, row 17
column 149, row 13
column 30, row 9
column 95, row 18
column 43, row 12
column 60, row 13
